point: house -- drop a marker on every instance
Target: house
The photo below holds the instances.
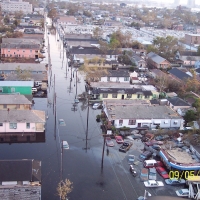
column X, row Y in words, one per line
column 175, row 103
column 80, row 53
column 34, row 68
column 142, row 116
column 20, row 48
column 22, row 121
column 66, row 20
column 178, row 74
column 20, row 179
column 119, row 76
column 192, row 39
column 18, row 87
column 156, row 61
column 139, row 61
column 14, row 102
column 121, row 93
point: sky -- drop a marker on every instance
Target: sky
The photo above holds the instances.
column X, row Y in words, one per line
column 181, row 1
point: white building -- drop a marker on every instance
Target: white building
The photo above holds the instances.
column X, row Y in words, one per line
column 142, row 116
column 16, row 6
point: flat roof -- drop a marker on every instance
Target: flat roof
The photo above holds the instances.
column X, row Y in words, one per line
column 141, row 112
column 13, row 99
column 180, row 156
column 16, row 83
column 20, row 116
column 23, row 66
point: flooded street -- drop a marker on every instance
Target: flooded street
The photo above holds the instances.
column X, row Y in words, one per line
column 82, row 162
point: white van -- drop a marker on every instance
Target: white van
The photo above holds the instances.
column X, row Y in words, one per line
column 65, row 145
column 150, row 163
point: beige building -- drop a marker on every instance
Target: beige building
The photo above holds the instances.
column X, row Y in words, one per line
column 192, row 39
column 14, row 102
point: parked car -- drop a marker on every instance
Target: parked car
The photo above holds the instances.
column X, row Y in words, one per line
column 145, row 155
column 152, row 163
column 153, row 183
column 109, row 142
column 125, row 146
column 119, row 139
column 175, row 181
column 96, row 106
column 39, row 94
column 134, row 136
column 162, row 172
column 152, row 173
column 34, row 90
column 61, row 122
column 144, row 175
column 65, row 145
column 153, row 142
column 131, row 159
column 182, row 192
column 162, row 137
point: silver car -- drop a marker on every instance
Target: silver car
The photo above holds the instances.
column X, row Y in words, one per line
column 152, row 173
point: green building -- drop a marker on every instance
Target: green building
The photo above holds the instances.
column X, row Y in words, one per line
column 21, row 87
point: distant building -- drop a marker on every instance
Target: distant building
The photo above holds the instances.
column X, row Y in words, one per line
column 191, row 3
column 192, row 39
column 176, row 2
column 16, row 6
column 20, row 179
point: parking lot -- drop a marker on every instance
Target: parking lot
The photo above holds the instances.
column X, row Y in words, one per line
column 119, row 161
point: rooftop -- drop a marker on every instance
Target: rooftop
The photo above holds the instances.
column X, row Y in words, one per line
column 141, row 112
column 23, row 66
column 20, row 170
column 14, row 99
column 156, row 58
column 176, row 101
column 22, row 116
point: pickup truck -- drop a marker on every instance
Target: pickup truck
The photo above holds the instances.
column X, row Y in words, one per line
column 125, row 146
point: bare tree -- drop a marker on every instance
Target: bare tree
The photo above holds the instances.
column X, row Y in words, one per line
column 162, row 82
column 64, row 188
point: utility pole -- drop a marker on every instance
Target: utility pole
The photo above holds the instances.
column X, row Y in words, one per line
column 55, row 117
column 86, row 139
column 104, row 141
column 61, row 164
column 54, row 96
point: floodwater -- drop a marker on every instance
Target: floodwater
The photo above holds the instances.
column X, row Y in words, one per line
column 82, row 162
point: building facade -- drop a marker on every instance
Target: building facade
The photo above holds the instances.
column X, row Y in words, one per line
column 16, row 6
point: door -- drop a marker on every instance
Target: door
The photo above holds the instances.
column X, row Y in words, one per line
column 139, row 124
column 122, row 96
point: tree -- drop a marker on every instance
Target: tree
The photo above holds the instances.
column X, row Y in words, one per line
column 97, row 33
column 64, row 188
column 192, row 84
column 162, row 82
column 104, row 47
column 18, row 15
column 23, row 74
column 6, row 19
column 87, row 14
column 190, row 116
column 52, row 14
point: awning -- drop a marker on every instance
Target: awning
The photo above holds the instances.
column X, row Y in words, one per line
column 144, row 121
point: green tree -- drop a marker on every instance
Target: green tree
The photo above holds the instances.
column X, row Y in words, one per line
column 190, row 116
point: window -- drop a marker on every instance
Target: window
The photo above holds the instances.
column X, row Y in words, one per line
column 175, row 122
column 120, row 122
column 27, row 125
column 1, row 124
column 8, row 50
column 146, row 96
column 1, row 90
column 105, row 95
column 139, row 96
column 114, row 95
column 13, row 125
column 129, row 95
column 125, row 78
column 12, row 90
column 4, row 105
column 132, row 122
column 108, row 78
